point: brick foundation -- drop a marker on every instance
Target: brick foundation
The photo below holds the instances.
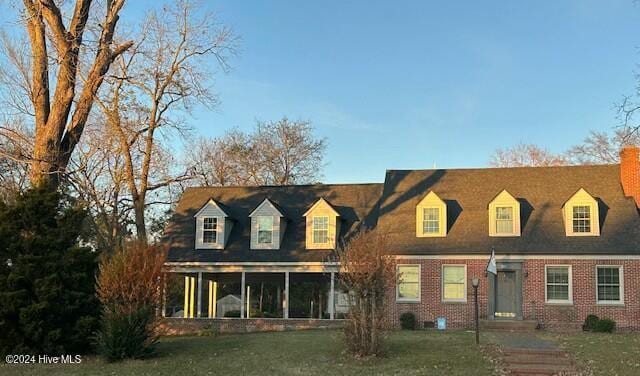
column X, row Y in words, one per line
column 534, row 307
column 178, row 326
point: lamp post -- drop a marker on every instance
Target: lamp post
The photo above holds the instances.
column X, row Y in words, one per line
column 475, row 282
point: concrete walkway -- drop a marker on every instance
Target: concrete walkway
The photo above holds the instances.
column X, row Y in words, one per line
column 527, row 353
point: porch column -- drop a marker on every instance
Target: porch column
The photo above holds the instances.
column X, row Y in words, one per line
column 187, row 291
column 213, row 298
column 242, row 295
column 331, row 298
column 286, row 295
column 164, row 294
column 199, row 313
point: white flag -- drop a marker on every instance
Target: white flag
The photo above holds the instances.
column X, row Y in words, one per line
column 491, row 266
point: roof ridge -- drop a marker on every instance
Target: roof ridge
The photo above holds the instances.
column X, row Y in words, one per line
column 503, row 168
column 284, row 186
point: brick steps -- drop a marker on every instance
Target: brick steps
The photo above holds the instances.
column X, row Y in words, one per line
column 538, row 362
column 535, row 359
column 509, row 325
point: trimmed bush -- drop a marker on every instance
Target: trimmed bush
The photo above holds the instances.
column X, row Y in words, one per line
column 590, row 323
column 408, row 321
column 605, row 326
column 126, row 335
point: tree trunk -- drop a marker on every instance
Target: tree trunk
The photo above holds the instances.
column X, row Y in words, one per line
column 141, row 227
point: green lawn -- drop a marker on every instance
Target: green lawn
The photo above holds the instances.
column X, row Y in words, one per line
column 605, row 354
column 289, row 353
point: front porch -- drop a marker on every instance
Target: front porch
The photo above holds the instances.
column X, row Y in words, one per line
column 274, row 296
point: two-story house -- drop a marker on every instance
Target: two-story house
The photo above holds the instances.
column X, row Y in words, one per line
column 566, row 239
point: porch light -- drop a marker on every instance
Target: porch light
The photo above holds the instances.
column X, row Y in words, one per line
column 475, row 281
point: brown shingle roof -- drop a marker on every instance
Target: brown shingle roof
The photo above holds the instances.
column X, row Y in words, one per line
column 356, row 204
column 541, row 191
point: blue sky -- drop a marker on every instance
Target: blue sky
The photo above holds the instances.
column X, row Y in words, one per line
column 414, row 83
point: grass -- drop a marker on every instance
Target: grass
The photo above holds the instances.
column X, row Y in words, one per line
column 288, row 353
column 605, row 354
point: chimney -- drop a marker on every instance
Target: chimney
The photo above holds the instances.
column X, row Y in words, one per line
column 630, row 172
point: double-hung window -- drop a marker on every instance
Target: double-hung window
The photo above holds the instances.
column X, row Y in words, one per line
column 558, row 284
column 320, row 230
column 610, row 285
column 408, row 283
column 504, row 220
column 581, row 219
column 265, row 229
column 431, row 220
column 454, row 286
column 210, row 230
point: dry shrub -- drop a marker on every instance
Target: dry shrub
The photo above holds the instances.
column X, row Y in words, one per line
column 365, row 271
column 129, row 290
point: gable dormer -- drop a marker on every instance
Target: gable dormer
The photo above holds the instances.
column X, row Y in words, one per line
column 213, row 226
column 431, row 216
column 268, row 225
column 504, row 215
column 581, row 215
column 322, row 226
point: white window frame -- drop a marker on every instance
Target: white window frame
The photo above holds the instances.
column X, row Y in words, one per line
column 215, row 230
column 408, row 300
column 619, row 302
column 572, row 219
column 445, row 300
column 570, row 287
column 258, row 229
column 438, row 220
column 313, row 229
column 513, row 220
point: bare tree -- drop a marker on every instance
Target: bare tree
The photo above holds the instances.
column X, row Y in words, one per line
column 15, row 146
column 526, row 155
column 365, row 271
column 290, row 152
column 60, row 118
column 602, row 147
column 160, row 77
column 221, row 161
column 597, row 148
column 96, row 177
column 274, row 153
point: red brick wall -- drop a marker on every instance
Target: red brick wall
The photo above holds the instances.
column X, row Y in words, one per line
column 534, row 307
column 179, row 326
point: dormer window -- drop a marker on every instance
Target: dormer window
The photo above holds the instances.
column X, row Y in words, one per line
column 265, row 229
column 581, row 219
column 323, row 226
column 431, row 217
column 431, row 220
column 210, row 230
column 320, row 230
column 504, row 220
column 504, row 215
column 213, row 226
column 267, row 226
column 581, row 215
